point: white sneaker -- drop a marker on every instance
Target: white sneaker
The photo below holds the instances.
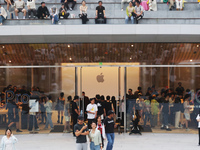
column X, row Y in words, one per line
column 122, row 9
column 70, row 9
column 52, row 20
column 23, row 17
column 17, row 17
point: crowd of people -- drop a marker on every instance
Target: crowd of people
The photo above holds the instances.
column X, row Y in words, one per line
column 134, row 11
column 164, row 108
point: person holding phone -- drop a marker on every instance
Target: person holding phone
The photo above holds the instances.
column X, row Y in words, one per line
column 81, row 130
column 8, row 141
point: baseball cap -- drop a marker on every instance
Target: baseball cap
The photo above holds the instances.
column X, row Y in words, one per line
column 110, row 112
column 80, row 117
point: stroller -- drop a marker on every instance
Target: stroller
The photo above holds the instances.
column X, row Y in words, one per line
column 136, row 129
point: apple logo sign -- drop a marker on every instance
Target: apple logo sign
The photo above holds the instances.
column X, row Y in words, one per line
column 100, row 78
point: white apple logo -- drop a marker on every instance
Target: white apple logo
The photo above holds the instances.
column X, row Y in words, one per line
column 100, row 78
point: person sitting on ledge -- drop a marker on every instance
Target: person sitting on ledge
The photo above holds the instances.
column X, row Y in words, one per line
column 3, row 15
column 100, row 13
column 67, row 4
column 138, row 13
column 179, row 4
column 43, row 12
column 31, row 8
column 19, row 7
column 63, row 12
column 83, row 12
column 54, row 14
column 129, row 10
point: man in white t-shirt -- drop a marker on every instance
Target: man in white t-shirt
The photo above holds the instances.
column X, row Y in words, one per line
column 91, row 112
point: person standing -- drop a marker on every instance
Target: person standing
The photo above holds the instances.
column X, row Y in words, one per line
column 101, row 128
column 8, row 141
column 165, row 111
column 108, row 105
column 81, row 131
column 67, row 115
column 180, row 90
column 60, row 107
column 13, row 114
column 48, row 107
column 101, row 108
column 75, row 112
column 198, row 120
column 91, row 112
column 187, row 110
column 109, row 129
column 177, row 109
column 95, row 138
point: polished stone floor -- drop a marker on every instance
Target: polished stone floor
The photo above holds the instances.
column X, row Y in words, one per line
column 147, row 141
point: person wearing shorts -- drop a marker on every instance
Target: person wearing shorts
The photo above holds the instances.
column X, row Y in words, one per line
column 19, row 7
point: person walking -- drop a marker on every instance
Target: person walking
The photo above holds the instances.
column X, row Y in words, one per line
column 8, row 141
column 81, row 130
column 95, row 138
column 91, row 112
column 109, row 129
column 101, row 128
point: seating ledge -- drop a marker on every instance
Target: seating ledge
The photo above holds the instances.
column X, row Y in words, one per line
column 110, row 3
column 94, row 18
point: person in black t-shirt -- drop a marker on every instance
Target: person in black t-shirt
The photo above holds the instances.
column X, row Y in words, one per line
column 180, row 90
column 42, row 12
column 165, row 112
column 75, row 112
column 108, row 105
column 109, row 129
column 13, row 114
column 81, row 131
column 101, row 107
column 100, row 13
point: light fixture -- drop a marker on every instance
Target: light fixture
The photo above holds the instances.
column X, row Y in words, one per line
column 3, row 46
column 190, row 60
column 70, row 58
column 130, row 58
column 197, row 45
column 9, row 61
column 132, row 45
column 68, row 46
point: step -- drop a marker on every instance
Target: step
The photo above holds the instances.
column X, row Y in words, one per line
column 109, row 21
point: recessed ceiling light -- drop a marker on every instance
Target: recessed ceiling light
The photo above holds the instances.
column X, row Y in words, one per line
column 9, row 61
column 132, row 45
column 190, row 60
column 70, row 58
column 130, row 58
column 197, row 45
column 68, row 46
column 3, row 46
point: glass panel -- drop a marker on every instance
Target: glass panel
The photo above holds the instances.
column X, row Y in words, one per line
column 166, row 98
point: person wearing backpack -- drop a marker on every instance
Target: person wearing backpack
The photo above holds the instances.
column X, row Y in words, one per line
column 138, row 12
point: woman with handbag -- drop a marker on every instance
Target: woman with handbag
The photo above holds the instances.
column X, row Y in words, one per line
column 83, row 12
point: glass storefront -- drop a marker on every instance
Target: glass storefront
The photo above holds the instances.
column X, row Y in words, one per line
column 28, row 71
